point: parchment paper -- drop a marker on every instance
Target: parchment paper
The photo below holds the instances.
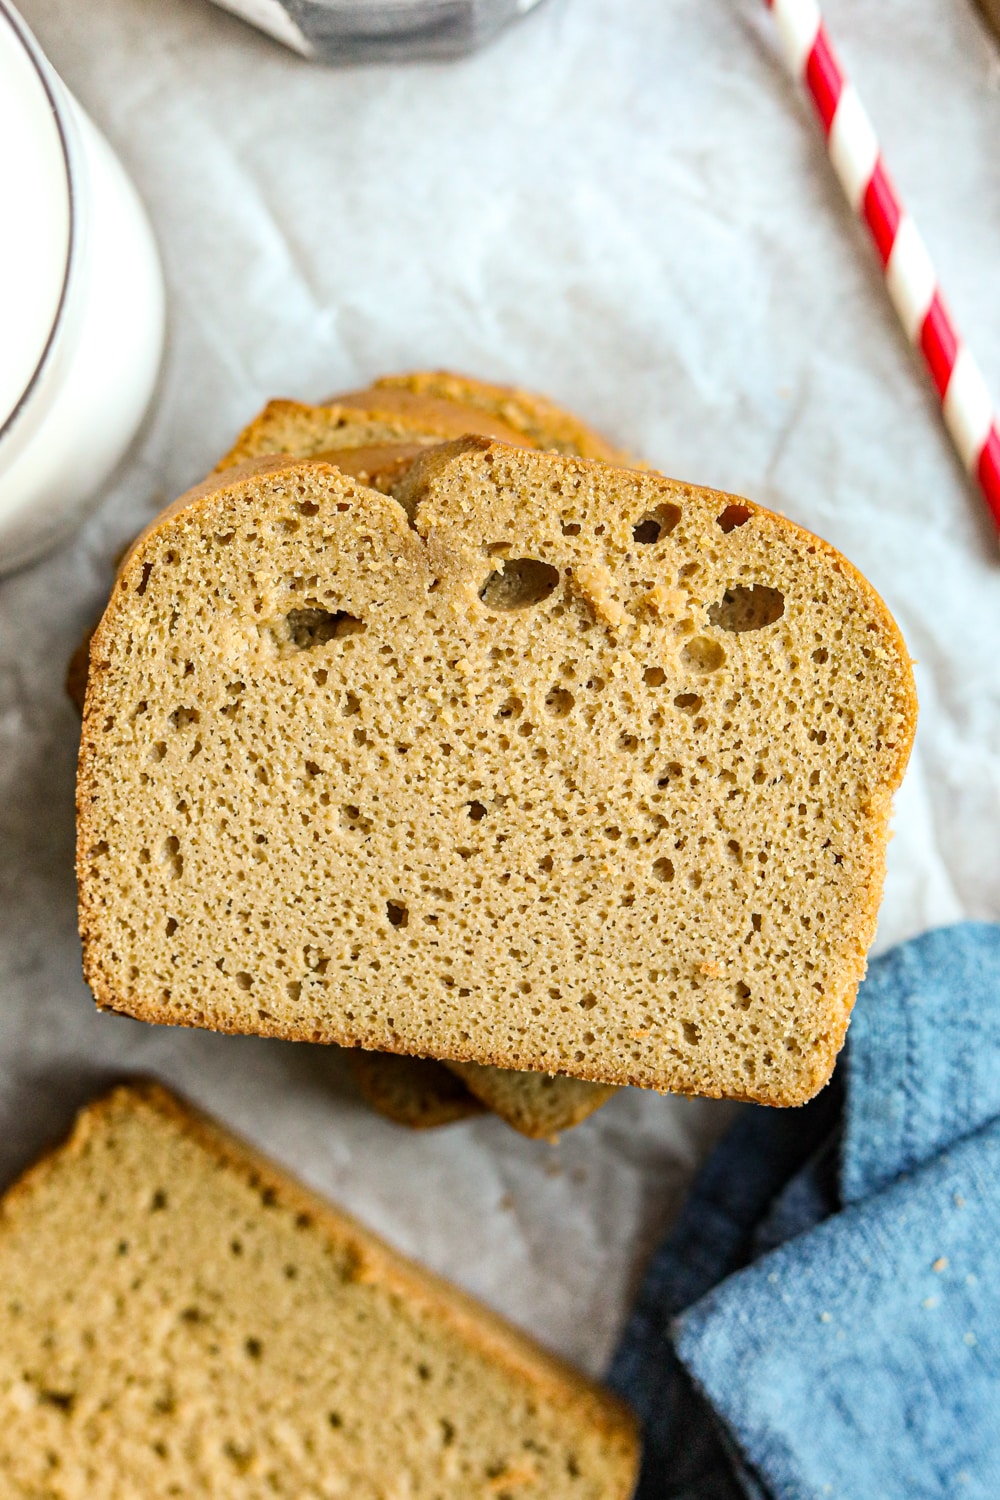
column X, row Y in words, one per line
column 627, row 207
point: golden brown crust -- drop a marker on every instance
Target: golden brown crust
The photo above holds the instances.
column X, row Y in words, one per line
column 78, row 669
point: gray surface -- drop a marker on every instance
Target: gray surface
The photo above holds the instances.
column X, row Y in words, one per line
column 628, row 208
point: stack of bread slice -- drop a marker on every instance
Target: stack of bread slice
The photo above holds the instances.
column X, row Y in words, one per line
column 533, row 764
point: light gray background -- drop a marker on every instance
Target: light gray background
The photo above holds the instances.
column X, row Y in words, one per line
column 626, row 206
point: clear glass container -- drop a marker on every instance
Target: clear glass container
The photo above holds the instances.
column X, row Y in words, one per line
column 81, row 304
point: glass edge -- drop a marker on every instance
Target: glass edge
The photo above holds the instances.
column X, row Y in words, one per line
column 41, row 66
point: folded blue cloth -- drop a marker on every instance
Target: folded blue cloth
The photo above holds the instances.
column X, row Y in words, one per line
column 824, row 1319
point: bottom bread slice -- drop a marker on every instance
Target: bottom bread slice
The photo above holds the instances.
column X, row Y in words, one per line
column 413, row 1091
column 422, row 1094
column 536, row 1104
column 179, row 1318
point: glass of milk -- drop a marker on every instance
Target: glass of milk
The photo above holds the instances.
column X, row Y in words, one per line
column 81, row 304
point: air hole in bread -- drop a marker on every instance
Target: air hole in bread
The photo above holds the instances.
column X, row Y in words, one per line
column 743, row 608
column 559, row 702
column 306, row 628
column 663, row 869
column 692, row 1033
column 182, row 717
column 173, row 856
column 398, row 915
column 353, row 819
column 655, row 524
column 477, row 812
column 62, row 1400
column 703, row 655
column 525, row 581
column 654, row 677
column 733, row 516
column 688, row 703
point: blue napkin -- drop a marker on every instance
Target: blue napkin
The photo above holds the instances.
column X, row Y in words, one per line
column 824, row 1319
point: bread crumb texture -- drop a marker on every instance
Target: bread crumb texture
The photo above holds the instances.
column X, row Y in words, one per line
column 543, row 765
column 178, row 1319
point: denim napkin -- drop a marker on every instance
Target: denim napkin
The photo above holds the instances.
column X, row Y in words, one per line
column 824, row 1319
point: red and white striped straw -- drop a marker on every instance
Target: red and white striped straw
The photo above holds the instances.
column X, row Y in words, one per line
column 909, row 275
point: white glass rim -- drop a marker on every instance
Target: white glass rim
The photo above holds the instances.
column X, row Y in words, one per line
column 34, row 54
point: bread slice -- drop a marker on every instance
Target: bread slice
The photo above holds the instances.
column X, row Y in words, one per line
column 534, row 418
column 422, row 1094
column 585, row 771
column 539, row 1105
column 413, row 1091
column 179, row 1318
column 386, row 419
column 418, row 408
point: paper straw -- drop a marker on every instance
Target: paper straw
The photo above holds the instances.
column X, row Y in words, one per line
column 909, row 274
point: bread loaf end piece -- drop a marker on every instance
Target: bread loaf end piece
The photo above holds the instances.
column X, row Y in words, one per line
column 178, row 1317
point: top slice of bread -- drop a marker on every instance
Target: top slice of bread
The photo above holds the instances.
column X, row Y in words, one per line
column 178, row 1318
column 586, row 771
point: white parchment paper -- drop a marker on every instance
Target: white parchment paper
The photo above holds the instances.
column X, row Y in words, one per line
column 627, row 207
